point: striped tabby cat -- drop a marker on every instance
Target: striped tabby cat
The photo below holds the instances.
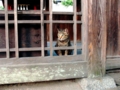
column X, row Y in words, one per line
column 63, row 40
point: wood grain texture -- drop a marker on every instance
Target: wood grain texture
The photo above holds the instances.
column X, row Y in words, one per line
column 85, row 28
column 96, row 42
column 6, row 29
column 112, row 27
column 16, row 29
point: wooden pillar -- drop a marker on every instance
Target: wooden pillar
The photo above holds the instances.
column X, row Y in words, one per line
column 96, row 38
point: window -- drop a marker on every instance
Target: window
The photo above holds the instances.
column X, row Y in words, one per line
column 28, row 34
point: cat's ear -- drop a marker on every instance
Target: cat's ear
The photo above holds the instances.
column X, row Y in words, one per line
column 58, row 30
column 66, row 30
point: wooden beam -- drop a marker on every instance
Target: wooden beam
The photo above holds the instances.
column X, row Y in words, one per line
column 84, row 28
column 16, row 29
column 7, row 29
column 97, row 38
column 42, row 28
column 75, row 27
column 20, row 71
column 51, row 27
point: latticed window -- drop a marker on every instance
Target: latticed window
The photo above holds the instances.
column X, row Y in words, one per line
column 29, row 29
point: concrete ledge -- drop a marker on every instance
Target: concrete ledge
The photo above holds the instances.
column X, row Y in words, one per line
column 42, row 72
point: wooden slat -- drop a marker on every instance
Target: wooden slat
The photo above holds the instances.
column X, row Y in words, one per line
column 51, row 31
column 75, row 28
column 21, row 21
column 2, row 12
column 3, row 50
column 39, row 21
column 103, row 34
column 39, row 12
column 79, row 22
column 116, row 56
column 22, row 12
column 42, row 28
column 29, row 21
column 67, row 13
column 39, row 48
column 80, row 13
column 6, row 29
column 84, row 28
column 46, row 21
column 62, row 21
column 62, row 48
column 111, row 63
column 30, row 12
column 2, row 22
column 16, row 29
column 12, row 49
column 40, row 60
column 30, row 49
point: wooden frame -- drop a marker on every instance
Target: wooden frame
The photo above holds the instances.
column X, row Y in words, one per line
column 31, row 69
column 44, row 63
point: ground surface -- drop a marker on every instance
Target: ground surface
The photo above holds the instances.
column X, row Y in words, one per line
column 52, row 85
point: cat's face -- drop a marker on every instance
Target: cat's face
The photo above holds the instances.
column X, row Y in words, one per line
column 63, row 34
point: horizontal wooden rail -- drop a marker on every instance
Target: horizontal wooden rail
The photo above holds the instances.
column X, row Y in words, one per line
column 38, row 21
column 21, row 21
column 39, row 48
column 29, row 49
column 38, row 12
column 116, row 56
column 3, row 50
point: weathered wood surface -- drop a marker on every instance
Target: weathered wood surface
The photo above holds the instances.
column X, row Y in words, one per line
column 16, row 29
column 113, row 27
column 85, row 28
column 43, row 72
column 29, row 70
column 7, row 30
column 96, row 38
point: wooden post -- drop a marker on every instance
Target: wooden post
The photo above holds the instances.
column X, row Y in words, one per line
column 96, row 38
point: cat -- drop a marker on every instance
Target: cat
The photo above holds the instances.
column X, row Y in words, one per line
column 63, row 40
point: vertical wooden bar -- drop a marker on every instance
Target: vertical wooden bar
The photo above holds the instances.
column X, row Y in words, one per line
column 51, row 31
column 118, row 27
column 6, row 29
column 97, row 38
column 103, row 22
column 16, row 29
column 75, row 27
column 84, row 29
column 42, row 27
